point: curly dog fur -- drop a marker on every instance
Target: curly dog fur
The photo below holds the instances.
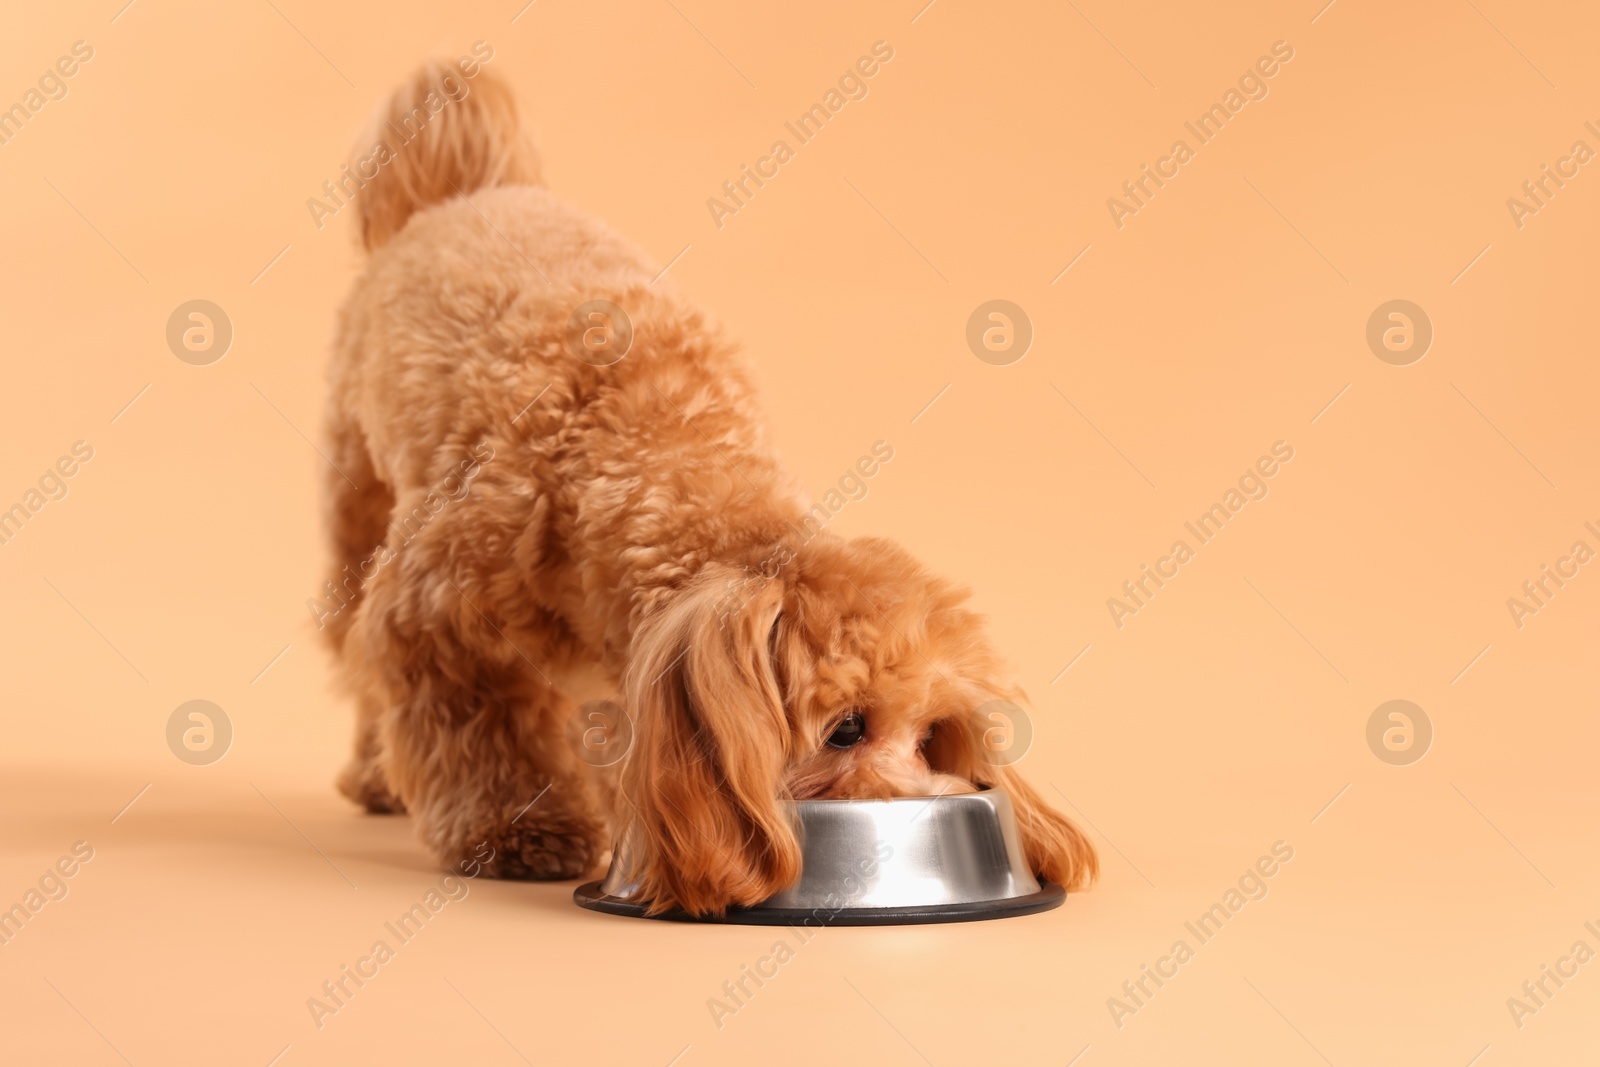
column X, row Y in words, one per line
column 515, row 527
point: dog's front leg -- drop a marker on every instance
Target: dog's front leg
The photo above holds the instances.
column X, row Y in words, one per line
column 486, row 775
column 474, row 737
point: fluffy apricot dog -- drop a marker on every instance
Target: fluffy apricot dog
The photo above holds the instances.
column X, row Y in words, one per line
column 537, row 502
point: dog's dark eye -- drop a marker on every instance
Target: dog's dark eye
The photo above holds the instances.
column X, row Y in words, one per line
column 849, row 731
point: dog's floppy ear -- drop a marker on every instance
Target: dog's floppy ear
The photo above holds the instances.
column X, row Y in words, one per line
column 711, row 740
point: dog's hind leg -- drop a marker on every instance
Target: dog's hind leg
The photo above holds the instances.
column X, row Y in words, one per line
column 359, row 505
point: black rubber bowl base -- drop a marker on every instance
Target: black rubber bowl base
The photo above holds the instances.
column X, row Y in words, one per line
column 1049, row 896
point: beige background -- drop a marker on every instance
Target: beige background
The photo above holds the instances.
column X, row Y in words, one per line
column 1225, row 316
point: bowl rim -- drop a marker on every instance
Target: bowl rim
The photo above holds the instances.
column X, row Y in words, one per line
column 978, row 792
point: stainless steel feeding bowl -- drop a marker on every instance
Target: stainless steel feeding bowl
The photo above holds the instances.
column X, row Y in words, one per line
column 881, row 862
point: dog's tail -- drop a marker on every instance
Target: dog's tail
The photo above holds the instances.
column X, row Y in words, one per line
column 442, row 134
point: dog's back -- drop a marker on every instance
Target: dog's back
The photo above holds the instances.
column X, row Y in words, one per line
column 469, row 330
column 472, row 264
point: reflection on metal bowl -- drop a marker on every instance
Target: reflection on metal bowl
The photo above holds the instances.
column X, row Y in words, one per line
column 882, row 862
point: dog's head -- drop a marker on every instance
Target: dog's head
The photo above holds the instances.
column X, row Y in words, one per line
column 838, row 669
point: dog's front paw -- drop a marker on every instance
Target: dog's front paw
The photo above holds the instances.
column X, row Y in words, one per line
column 547, row 846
